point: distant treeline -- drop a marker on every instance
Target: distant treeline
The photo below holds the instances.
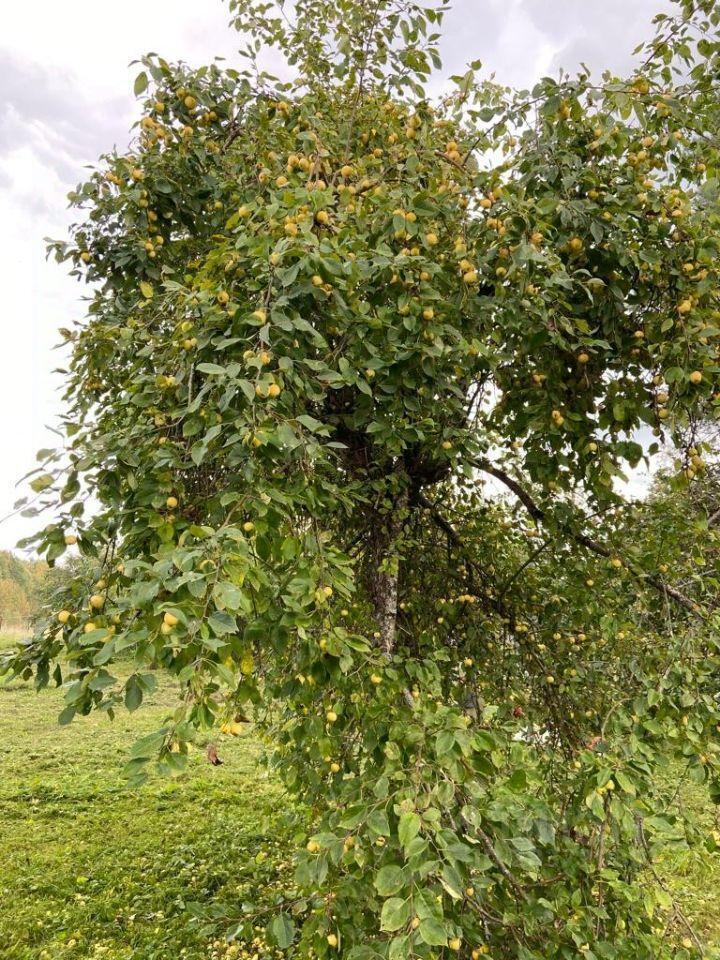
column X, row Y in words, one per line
column 21, row 586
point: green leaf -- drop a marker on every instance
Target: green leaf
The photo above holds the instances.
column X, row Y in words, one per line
column 281, row 931
column 227, row 595
column 378, row 823
column 214, row 369
column 395, row 914
column 222, row 623
column 141, row 83
column 399, row 948
column 65, row 716
column 389, row 880
column 408, row 828
column 310, row 422
column 146, row 289
column 432, row 932
column 133, row 693
column 41, row 483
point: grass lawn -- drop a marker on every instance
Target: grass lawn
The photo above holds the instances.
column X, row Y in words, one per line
column 92, row 868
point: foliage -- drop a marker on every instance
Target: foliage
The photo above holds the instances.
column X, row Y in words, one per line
column 19, row 584
column 324, row 311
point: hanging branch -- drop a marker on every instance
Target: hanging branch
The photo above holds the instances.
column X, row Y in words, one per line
column 539, row 515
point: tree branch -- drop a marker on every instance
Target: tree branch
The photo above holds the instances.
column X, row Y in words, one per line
column 538, row 514
column 492, row 853
column 458, row 542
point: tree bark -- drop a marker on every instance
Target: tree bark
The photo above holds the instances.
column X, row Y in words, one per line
column 383, row 572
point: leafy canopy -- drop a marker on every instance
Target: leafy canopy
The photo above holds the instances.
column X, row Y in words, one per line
column 323, row 311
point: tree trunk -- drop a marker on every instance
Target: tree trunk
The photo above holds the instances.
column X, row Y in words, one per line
column 383, row 572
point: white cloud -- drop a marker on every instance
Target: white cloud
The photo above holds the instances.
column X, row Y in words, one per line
column 66, row 97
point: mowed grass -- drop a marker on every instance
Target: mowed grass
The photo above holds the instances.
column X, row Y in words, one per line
column 692, row 875
column 92, row 868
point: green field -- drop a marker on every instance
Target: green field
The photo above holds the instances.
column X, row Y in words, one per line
column 92, row 868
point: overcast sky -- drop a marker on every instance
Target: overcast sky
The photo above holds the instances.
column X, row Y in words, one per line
column 66, row 97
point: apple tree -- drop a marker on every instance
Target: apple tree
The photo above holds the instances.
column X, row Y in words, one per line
column 363, row 368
